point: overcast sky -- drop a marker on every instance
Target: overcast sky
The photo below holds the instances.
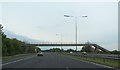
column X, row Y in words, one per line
column 43, row 20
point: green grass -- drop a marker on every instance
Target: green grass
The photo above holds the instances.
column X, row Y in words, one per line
column 108, row 62
column 13, row 56
column 7, row 57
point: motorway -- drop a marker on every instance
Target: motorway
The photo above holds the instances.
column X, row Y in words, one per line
column 49, row 60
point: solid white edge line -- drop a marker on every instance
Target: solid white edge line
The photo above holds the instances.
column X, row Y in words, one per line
column 16, row 61
column 92, row 63
column 98, row 64
column 67, row 68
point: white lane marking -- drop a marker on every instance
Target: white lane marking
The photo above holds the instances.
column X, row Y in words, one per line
column 92, row 63
column 100, row 65
column 16, row 61
column 67, row 68
column 11, row 62
column 97, row 64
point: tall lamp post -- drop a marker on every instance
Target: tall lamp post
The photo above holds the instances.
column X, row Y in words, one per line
column 61, row 39
column 75, row 27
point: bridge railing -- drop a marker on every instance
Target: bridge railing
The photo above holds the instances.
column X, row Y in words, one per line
column 60, row 43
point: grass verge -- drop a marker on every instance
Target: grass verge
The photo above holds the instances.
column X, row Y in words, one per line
column 107, row 62
column 18, row 56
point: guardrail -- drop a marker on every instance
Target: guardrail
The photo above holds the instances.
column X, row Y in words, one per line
column 97, row 56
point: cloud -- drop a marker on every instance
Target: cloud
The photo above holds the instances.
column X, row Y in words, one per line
column 11, row 34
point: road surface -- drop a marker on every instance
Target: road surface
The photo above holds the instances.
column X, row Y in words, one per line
column 49, row 60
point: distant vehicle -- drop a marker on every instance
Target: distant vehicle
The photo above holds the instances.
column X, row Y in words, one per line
column 71, row 52
column 39, row 54
column 84, row 53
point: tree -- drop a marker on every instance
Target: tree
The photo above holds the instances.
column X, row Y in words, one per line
column 86, row 49
column 70, row 50
column 1, row 39
column 55, row 50
column 12, row 46
column 9, row 46
column 115, row 52
column 1, row 29
column 37, row 49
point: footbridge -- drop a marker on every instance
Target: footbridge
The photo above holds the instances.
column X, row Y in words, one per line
column 96, row 46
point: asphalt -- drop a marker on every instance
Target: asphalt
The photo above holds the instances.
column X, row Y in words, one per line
column 49, row 60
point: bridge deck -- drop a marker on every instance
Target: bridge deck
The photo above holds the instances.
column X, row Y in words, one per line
column 57, row 44
column 95, row 45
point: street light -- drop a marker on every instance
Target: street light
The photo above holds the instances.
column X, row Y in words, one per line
column 61, row 39
column 75, row 26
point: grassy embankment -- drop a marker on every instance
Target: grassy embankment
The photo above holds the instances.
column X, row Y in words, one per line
column 18, row 56
column 107, row 62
